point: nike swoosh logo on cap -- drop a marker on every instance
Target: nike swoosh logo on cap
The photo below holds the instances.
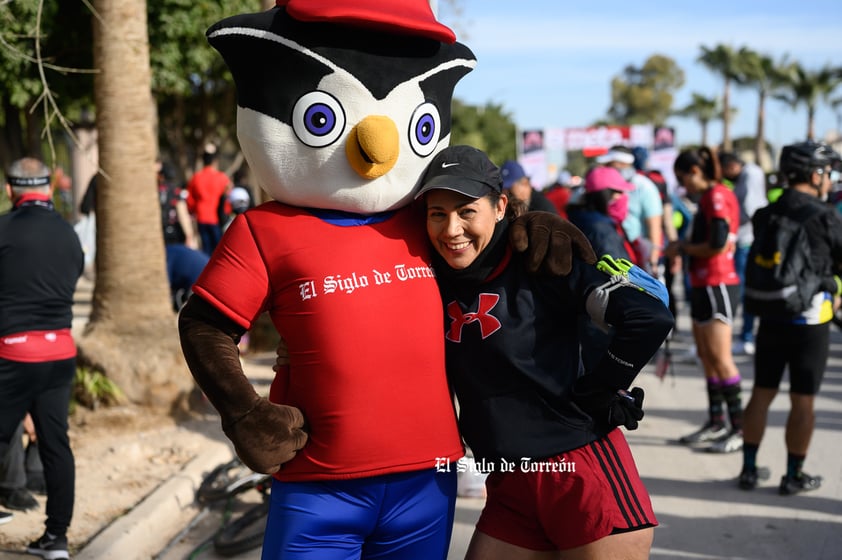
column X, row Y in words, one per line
column 444, row 165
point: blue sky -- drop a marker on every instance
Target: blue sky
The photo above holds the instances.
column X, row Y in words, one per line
column 549, row 63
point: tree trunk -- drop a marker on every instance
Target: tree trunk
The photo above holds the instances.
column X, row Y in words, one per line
column 13, row 134
column 726, row 116
column 132, row 336
column 760, row 141
column 811, row 122
column 34, row 142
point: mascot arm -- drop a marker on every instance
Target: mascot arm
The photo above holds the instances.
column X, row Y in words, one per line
column 549, row 242
column 265, row 435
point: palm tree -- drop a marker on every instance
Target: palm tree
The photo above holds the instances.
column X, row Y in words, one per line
column 703, row 109
column 132, row 336
column 722, row 60
column 809, row 87
column 760, row 72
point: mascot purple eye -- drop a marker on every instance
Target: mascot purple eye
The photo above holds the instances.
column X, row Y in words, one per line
column 424, row 129
column 318, row 119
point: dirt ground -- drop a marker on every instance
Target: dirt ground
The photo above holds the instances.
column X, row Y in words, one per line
column 122, row 454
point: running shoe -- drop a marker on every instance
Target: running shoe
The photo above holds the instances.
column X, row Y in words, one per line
column 749, row 478
column 49, row 547
column 708, row 432
column 795, row 484
column 729, row 443
column 18, row 498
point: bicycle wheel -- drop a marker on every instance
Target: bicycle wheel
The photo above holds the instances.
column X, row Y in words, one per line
column 227, row 480
column 243, row 533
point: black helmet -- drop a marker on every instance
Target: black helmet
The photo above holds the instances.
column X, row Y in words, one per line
column 799, row 160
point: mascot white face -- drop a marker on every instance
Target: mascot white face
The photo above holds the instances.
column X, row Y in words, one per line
column 337, row 116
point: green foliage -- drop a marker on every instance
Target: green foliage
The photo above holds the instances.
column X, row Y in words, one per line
column 808, row 87
column 702, row 108
column 722, row 60
column 91, row 389
column 19, row 80
column 179, row 53
column 188, row 76
column 577, row 163
column 5, row 203
column 645, row 94
column 489, row 128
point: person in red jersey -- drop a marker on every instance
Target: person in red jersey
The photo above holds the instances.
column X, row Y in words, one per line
column 204, row 190
column 714, row 294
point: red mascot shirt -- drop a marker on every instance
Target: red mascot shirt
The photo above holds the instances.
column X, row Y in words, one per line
column 361, row 314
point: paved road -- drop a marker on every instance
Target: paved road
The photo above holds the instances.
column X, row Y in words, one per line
column 702, row 514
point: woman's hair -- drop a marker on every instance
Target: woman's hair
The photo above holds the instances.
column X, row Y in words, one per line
column 598, row 200
column 514, row 208
column 703, row 157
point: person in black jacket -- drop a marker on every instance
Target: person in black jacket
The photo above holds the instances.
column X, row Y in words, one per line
column 602, row 210
column 561, row 475
column 798, row 342
column 40, row 262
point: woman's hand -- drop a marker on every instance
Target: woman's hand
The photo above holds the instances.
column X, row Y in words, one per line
column 674, row 249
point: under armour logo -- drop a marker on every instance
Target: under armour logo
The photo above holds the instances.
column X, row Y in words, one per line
column 488, row 324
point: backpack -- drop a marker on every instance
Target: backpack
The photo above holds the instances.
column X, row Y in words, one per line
column 780, row 277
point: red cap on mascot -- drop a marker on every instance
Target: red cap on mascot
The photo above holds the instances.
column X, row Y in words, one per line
column 406, row 17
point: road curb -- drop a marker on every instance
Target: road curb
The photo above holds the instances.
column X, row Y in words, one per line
column 149, row 526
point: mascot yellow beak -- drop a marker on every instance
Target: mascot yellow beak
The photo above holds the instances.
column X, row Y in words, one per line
column 373, row 146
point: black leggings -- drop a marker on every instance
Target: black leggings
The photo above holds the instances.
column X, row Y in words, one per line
column 804, row 348
column 43, row 390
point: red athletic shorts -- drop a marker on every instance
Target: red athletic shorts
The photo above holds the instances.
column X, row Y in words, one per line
column 580, row 497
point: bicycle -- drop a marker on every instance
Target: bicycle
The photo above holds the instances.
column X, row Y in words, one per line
column 223, row 485
column 226, row 481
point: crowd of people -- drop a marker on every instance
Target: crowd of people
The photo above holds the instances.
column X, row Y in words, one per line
column 704, row 231
column 589, row 339
column 712, row 247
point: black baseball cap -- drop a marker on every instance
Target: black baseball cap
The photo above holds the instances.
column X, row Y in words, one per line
column 463, row 169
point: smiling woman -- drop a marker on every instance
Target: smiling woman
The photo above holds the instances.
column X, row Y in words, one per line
column 462, row 190
column 512, row 355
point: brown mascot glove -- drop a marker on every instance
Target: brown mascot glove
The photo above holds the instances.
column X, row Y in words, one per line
column 549, row 242
column 265, row 435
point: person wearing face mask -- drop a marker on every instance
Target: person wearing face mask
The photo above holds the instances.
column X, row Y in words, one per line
column 600, row 216
column 644, row 223
column 714, row 294
column 798, row 342
column 601, row 212
column 562, row 480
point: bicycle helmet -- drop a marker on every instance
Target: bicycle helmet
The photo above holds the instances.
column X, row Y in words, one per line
column 799, row 161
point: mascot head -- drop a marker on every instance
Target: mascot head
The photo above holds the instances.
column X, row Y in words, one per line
column 342, row 103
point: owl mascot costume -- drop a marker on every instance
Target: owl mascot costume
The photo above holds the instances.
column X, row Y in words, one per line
column 341, row 104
